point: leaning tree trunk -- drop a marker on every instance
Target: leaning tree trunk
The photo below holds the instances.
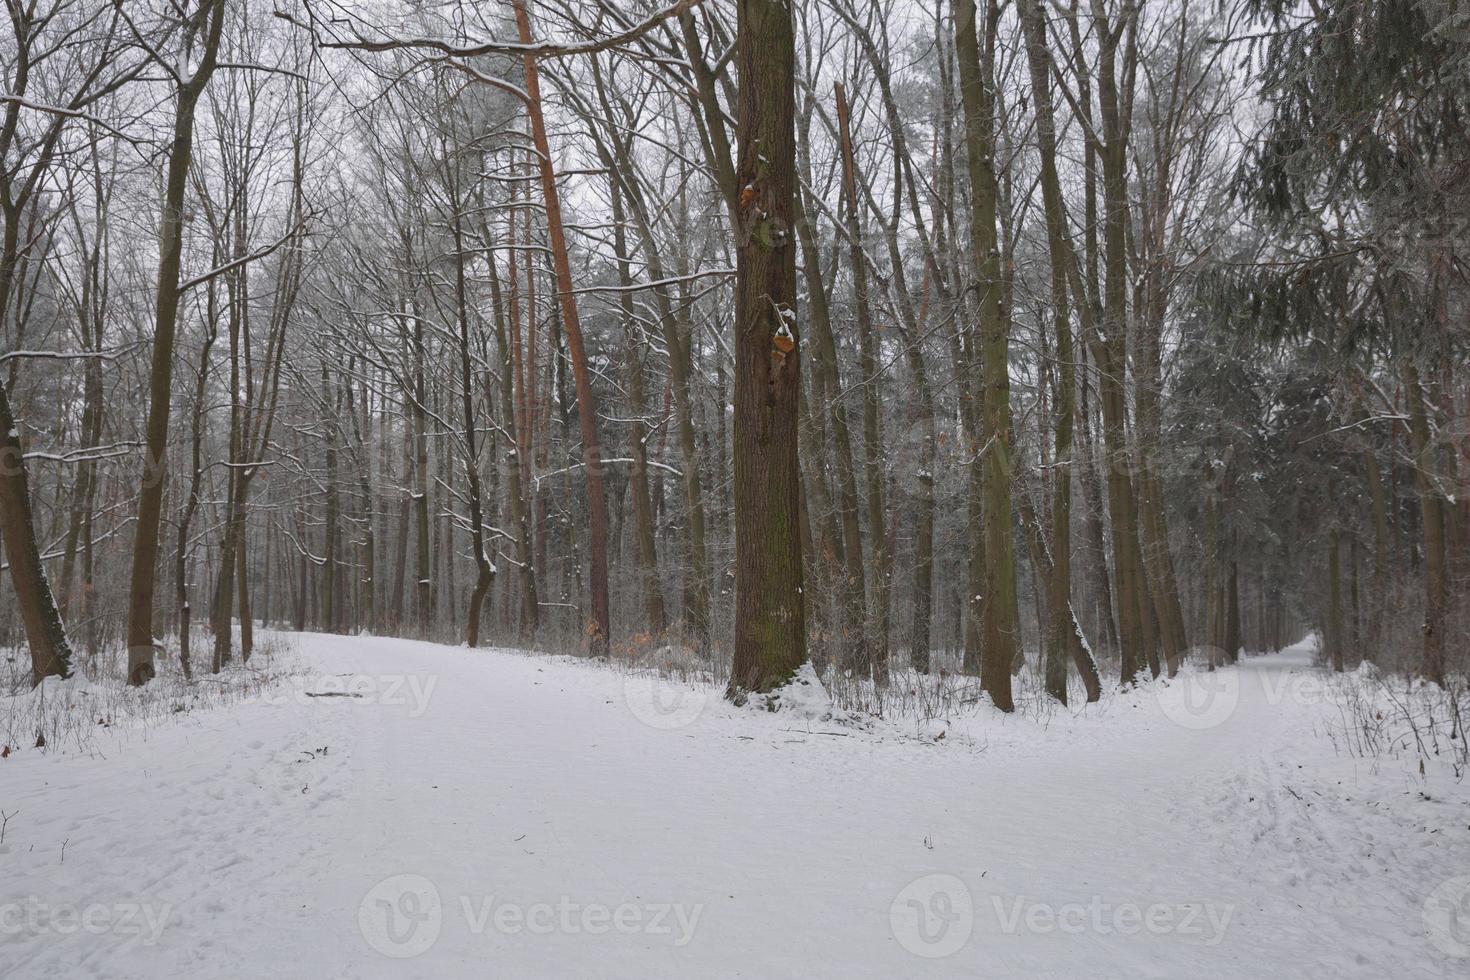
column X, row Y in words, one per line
column 600, row 628
column 50, row 652
column 770, row 628
column 140, row 640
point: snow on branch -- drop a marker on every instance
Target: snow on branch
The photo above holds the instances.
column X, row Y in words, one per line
column 57, row 110
column 331, row 36
column 254, row 256
column 57, row 355
column 606, row 462
column 86, row 455
column 657, row 284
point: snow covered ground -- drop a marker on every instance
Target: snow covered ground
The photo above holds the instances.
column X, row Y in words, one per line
column 491, row 814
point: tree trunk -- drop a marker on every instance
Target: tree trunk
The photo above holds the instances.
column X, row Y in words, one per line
column 653, row 599
column 770, row 630
column 50, row 652
column 140, row 639
column 877, row 632
column 599, row 628
column 1001, row 618
column 826, row 376
column 1333, row 628
column 530, row 610
column 1432, row 664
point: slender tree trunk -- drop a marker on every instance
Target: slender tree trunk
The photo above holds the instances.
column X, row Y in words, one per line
column 826, row 377
column 1334, row 601
column 140, row 639
column 423, row 581
column 484, row 570
column 1378, row 494
column 329, row 597
column 923, row 587
column 653, row 599
column 1432, row 665
column 877, row 645
column 530, row 610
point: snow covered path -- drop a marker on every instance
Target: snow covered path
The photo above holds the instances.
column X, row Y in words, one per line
column 483, row 813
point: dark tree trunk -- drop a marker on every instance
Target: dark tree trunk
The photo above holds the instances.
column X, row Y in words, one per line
column 770, row 630
column 140, row 639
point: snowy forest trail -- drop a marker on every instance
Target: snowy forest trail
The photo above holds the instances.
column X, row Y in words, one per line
column 473, row 813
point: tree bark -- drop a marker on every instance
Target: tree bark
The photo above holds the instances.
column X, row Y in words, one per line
column 1001, row 618
column 1432, row 663
column 140, row 639
column 876, row 647
column 770, row 631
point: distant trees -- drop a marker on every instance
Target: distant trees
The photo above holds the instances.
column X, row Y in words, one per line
column 1366, row 223
column 903, row 341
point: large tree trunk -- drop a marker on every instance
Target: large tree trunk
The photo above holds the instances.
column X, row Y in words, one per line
column 770, row 628
column 1001, row 618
